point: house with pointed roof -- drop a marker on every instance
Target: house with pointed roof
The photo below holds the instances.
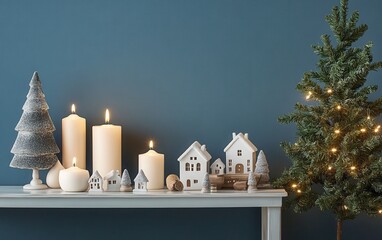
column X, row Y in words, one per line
column 95, row 182
column 240, row 154
column 112, row 181
column 217, row 167
column 140, row 182
column 194, row 164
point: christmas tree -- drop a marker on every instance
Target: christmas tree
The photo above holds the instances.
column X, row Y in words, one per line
column 252, row 182
column 126, row 182
column 35, row 147
column 336, row 159
column 262, row 169
column 206, row 183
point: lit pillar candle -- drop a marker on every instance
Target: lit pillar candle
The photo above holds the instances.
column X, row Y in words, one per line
column 152, row 163
column 74, row 179
column 107, row 142
column 74, row 140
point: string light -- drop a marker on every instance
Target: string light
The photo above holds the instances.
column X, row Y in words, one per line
column 363, row 130
column 377, row 128
column 368, row 117
column 294, row 185
column 337, row 131
column 352, row 168
column 333, row 150
column 380, row 211
column 329, row 91
column 345, row 207
column 338, row 107
column 309, row 95
column 330, row 168
column 298, row 191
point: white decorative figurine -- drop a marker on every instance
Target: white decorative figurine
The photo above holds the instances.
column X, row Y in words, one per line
column 112, row 181
column 52, row 178
column 140, row 182
column 95, row 182
column 126, row 182
column 193, row 166
column 262, row 170
column 206, row 183
column 240, row 154
column 217, row 167
column 252, row 182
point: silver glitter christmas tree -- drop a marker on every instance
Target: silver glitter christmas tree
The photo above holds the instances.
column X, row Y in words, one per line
column 35, row 147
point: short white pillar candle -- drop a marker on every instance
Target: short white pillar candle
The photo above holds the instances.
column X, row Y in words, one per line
column 74, row 179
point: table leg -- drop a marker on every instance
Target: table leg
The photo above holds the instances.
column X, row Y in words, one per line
column 264, row 223
column 273, row 223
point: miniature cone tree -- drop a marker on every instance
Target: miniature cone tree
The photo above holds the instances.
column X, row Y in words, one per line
column 252, row 183
column 206, row 183
column 126, row 182
column 262, row 168
column 35, row 147
column 336, row 161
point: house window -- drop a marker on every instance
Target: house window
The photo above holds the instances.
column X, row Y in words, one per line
column 109, row 182
column 114, row 182
column 230, row 169
column 190, row 158
column 198, row 167
column 248, row 169
column 91, row 186
column 230, row 162
column 217, row 165
column 195, row 158
column 192, row 167
column 196, row 181
column 248, row 163
column 188, row 183
column 216, row 171
column 239, row 153
column 187, row 167
column 97, row 185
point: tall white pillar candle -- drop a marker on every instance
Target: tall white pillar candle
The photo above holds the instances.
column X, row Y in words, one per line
column 107, row 147
column 74, row 140
column 152, row 163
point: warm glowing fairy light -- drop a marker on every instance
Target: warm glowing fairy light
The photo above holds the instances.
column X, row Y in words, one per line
column 309, row 95
column 380, row 211
column 330, row 168
column 338, row 107
column 345, row 207
column 363, row 130
column 333, row 150
column 299, row 191
column 352, row 168
column 336, row 131
column 329, row 90
column 294, row 185
column 377, row 128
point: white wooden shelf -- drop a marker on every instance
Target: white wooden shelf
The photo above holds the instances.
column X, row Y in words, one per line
column 269, row 200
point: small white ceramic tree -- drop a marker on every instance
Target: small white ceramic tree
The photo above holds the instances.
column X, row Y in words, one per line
column 126, row 182
column 252, row 182
column 262, row 169
column 206, row 183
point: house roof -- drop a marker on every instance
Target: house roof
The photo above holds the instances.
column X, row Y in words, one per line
column 112, row 174
column 201, row 149
column 141, row 177
column 95, row 175
column 219, row 162
column 244, row 139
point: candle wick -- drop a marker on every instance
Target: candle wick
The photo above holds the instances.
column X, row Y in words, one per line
column 74, row 164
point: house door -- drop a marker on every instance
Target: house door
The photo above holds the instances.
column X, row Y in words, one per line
column 239, row 168
column 188, row 183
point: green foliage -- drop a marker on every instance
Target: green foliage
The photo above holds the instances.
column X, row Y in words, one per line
column 337, row 160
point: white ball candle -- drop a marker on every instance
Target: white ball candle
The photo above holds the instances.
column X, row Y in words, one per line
column 74, row 140
column 152, row 164
column 74, row 179
column 107, row 147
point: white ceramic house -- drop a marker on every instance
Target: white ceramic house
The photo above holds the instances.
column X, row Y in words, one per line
column 95, row 182
column 112, row 181
column 240, row 155
column 140, row 182
column 217, row 167
column 194, row 163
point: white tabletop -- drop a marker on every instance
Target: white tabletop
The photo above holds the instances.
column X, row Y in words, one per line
column 16, row 197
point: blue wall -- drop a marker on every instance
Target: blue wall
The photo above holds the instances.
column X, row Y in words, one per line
column 174, row 71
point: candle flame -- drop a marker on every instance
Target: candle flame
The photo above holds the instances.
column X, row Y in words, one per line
column 73, row 108
column 74, row 161
column 107, row 116
column 151, row 144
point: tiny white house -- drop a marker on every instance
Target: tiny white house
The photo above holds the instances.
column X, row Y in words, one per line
column 95, row 182
column 217, row 167
column 193, row 165
column 240, row 154
column 140, row 182
column 112, row 181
